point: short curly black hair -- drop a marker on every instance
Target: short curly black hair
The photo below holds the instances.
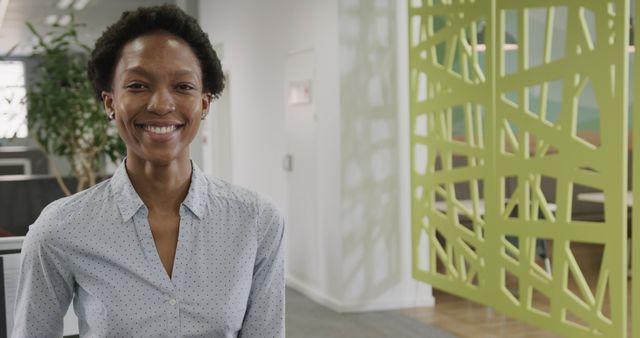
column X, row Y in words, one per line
column 133, row 24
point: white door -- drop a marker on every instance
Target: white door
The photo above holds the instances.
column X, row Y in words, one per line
column 300, row 163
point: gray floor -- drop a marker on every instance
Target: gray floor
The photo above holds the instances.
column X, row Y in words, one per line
column 306, row 319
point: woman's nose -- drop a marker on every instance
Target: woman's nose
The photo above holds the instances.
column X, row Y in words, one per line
column 161, row 102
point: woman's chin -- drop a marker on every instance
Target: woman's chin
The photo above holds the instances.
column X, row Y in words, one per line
column 160, row 158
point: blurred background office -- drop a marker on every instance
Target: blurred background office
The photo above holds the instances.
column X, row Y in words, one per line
column 324, row 112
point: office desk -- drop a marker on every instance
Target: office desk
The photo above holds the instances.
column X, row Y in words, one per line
column 598, row 197
column 442, row 205
column 541, row 245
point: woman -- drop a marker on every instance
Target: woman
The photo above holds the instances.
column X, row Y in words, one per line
column 158, row 250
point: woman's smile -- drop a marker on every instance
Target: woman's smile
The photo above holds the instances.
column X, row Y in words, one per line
column 159, row 132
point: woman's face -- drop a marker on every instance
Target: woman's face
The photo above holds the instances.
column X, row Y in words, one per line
column 157, row 98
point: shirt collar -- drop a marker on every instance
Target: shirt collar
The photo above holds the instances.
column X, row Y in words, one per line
column 196, row 199
column 125, row 196
column 129, row 202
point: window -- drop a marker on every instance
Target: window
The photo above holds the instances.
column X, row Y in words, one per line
column 13, row 106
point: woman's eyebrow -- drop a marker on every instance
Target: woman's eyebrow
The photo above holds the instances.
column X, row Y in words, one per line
column 139, row 70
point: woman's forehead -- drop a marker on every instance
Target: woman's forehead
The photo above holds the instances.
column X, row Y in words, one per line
column 158, row 49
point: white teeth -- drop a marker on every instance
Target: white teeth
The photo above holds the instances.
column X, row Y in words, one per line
column 160, row 130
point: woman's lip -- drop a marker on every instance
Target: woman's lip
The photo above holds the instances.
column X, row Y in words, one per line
column 148, row 127
column 166, row 124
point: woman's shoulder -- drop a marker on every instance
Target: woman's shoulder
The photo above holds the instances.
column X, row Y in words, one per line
column 60, row 213
column 221, row 189
column 94, row 195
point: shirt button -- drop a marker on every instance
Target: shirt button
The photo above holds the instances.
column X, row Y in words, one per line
column 172, row 302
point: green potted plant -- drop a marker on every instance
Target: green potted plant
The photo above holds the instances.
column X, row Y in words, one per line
column 64, row 116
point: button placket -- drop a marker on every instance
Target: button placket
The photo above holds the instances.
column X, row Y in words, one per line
column 183, row 249
column 172, row 309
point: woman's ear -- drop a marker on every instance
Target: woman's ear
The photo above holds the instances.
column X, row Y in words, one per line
column 107, row 101
column 206, row 104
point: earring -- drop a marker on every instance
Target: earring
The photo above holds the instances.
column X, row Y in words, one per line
column 112, row 115
column 204, row 114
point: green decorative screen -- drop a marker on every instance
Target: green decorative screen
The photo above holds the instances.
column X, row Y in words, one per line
column 518, row 108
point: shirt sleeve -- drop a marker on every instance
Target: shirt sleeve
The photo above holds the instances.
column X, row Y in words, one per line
column 45, row 287
column 265, row 310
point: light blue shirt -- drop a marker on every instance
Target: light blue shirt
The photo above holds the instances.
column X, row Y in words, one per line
column 96, row 248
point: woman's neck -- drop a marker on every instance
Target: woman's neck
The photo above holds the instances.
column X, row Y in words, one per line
column 161, row 187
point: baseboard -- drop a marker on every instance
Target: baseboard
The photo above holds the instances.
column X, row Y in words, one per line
column 346, row 307
column 313, row 293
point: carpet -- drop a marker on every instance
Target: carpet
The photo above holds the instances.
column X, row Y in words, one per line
column 307, row 319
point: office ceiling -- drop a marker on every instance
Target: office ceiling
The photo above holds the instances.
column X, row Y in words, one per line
column 97, row 14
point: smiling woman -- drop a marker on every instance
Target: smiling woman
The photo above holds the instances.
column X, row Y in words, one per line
column 157, row 97
column 159, row 249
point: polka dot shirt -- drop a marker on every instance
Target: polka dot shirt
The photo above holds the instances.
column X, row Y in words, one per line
column 96, row 248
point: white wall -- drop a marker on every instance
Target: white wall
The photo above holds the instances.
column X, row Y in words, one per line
column 376, row 256
column 257, row 36
column 372, row 271
column 312, row 24
column 253, row 59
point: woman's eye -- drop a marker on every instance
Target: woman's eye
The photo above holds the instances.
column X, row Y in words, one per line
column 185, row 87
column 135, row 86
